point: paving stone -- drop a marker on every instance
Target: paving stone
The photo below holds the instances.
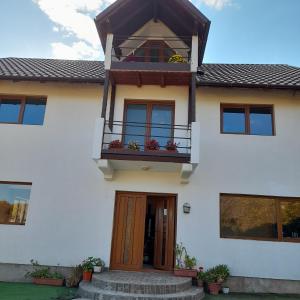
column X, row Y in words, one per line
column 139, row 286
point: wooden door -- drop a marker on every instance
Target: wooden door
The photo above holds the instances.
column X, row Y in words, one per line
column 128, row 233
column 164, row 233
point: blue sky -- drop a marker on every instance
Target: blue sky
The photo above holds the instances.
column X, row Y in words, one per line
column 242, row 31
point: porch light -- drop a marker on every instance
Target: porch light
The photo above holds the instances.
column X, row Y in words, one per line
column 186, row 208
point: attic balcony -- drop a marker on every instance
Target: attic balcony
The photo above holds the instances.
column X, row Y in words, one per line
column 150, row 60
column 134, row 146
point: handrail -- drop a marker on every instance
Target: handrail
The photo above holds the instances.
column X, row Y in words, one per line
column 116, row 132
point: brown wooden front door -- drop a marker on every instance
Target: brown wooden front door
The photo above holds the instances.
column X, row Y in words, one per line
column 164, row 233
column 128, row 233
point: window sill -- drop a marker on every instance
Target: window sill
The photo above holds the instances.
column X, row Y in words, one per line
column 286, row 240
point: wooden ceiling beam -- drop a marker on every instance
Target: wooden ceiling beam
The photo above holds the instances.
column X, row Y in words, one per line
column 181, row 21
column 139, row 79
column 162, row 80
column 130, row 17
column 155, row 10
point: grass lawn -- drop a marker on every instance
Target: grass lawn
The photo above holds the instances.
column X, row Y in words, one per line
column 251, row 297
column 25, row 291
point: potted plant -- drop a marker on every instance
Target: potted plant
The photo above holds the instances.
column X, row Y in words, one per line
column 134, row 146
column 115, row 145
column 152, row 145
column 87, row 267
column 98, row 265
column 43, row 276
column 185, row 264
column 171, row 146
column 177, row 58
column 214, row 278
column 200, row 277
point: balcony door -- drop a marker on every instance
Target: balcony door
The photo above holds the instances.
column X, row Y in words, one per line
column 148, row 120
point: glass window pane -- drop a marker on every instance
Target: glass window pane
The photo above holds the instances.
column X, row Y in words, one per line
column 234, row 120
column 290, row 218
column 135, row 129
column 248, row 217
column 138, row 56
column 14, row 200
column 34, row 112
column 167, row 54
column 154, row 55
column 161, row 120
column 261, row 122
column 9, row 110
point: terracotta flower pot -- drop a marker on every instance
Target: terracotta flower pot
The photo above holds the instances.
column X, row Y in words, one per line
column 87, row 276
column 199, row 282
column 115, row 149
column 48, row 281
column 185, row 273
column 214, row 288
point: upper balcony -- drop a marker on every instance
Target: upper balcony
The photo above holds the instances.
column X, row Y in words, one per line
column 155, row 60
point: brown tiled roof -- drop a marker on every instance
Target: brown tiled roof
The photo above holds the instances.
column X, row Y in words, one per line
column 247, row 75
column 51, row 70
column 226, row 75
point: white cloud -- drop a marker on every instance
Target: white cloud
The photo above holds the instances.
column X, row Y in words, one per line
column 77, row 50
column 217, row 4
column 73, row 18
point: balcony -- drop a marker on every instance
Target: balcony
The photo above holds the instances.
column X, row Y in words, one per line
column 129, row 141
column 152, row 147
column 150, row 60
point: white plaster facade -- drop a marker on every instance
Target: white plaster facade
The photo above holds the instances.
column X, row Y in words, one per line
column 71, row 208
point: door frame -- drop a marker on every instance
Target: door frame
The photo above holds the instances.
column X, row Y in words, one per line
column 146, row 194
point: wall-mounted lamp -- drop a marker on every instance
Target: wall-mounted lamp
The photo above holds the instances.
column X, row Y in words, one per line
column 186, row 208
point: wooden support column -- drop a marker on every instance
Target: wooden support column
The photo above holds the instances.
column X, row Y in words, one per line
column 189, row 106
column 105, row 94
column 193, row 97
column 112, row 106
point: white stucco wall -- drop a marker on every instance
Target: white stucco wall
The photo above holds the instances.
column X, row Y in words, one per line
column 71, row 207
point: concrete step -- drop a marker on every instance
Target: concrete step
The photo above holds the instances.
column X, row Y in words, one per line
column 141, row 283
column 88, row 290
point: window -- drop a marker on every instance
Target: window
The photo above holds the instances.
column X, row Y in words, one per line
column 247, row 119
column 260, row 217
column 14, row 198
column 148, row 120
column 23, row 110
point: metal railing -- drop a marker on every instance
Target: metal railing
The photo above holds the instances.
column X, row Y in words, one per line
column 147, row 137
column 150, row 49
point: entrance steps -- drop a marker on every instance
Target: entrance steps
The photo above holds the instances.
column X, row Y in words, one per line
column 139, row 286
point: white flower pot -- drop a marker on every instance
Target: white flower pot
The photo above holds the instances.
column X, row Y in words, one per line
column 97, row 269
column 225, row 290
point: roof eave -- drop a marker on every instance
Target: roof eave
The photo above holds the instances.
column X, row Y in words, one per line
column 244, row 85
column 51, row 79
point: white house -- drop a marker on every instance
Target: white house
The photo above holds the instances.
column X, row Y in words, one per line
column 122, row 159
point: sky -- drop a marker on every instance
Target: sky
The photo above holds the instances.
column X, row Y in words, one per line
column 242, row 31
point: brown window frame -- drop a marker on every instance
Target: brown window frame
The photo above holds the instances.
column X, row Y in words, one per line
column 149, row 104
column 247, row 108
column 278, row 201
column 15, row 183
column 22, row 100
